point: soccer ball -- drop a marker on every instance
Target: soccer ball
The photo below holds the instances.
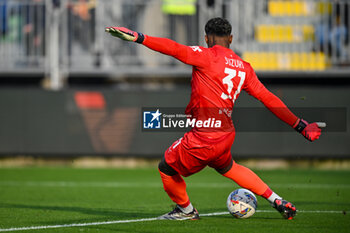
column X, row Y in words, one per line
column 241, row 203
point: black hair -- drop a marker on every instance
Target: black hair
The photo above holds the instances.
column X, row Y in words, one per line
column 218, row 27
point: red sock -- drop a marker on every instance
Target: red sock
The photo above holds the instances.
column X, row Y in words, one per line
column 267, row 193
column 175, row 187
column 246, row 178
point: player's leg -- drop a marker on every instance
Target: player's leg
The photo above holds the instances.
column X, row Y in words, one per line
column 175, row 186
column 246, row 178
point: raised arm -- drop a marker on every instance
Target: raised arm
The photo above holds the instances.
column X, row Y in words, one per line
column 191, row 55
column 256, row 89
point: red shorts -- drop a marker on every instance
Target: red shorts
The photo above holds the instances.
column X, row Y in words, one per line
column 191, row 153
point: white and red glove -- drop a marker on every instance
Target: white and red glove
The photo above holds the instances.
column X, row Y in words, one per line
column 310, row 131
column 126, row 34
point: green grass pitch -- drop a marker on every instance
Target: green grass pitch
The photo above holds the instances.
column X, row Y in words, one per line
column 64, row 197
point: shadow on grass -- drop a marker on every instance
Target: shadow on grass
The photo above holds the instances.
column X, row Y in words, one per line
column 277, row 217
column 124, row 228
column 108, row 214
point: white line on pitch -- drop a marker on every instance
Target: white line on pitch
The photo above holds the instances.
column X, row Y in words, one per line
column 155, row 184
column 143, row 220
column 76, row 224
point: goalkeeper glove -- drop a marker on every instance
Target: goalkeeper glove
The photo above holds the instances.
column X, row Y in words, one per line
column 126, row 34
column 310, row 131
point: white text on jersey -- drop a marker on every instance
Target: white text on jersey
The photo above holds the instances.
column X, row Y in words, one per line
column 234, row 63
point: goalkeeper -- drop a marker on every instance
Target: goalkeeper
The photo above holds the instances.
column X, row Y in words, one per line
column 218, row 77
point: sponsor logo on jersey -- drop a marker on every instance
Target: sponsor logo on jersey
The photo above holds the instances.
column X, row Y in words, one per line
column 196, row 48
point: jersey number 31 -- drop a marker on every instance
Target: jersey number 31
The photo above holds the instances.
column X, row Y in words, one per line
column 231, row 74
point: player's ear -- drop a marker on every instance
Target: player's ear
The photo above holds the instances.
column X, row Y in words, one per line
column 230, row 39
column 206, row 40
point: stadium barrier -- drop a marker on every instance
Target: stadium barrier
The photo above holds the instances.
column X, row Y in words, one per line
column 60, row 38
column 109, row 122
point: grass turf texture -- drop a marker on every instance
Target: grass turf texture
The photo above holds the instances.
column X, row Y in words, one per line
column 56, row 196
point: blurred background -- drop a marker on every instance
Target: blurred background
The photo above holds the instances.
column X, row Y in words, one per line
column 69, row 90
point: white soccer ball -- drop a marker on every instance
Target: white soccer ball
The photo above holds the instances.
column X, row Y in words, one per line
column 241, row 203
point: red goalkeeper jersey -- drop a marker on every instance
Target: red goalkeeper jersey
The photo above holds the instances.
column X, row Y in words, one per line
column 218, row 77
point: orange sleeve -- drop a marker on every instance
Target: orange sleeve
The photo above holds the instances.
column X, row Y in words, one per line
column 255, row 88
column 191, row 55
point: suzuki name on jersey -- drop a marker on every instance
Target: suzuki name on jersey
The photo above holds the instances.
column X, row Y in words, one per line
column 234, row 63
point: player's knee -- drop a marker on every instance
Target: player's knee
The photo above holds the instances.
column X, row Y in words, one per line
column 166, row 169
column 225, row 169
